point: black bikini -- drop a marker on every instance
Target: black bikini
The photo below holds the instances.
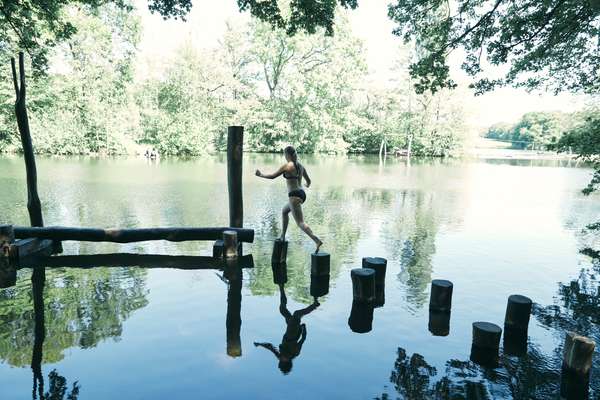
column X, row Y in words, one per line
column 296, row 192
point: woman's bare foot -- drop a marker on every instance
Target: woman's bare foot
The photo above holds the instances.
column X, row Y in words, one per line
column 319, row 244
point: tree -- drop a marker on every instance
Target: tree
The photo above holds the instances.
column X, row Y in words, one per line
column 305, row 16
column 547, row 43
column 584, row 139
column 36, row 26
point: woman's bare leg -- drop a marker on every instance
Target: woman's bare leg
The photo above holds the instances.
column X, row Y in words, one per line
column 296, row 207
column 285, row 219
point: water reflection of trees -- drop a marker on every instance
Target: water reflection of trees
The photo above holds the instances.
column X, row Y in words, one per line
column 416, row 220
column 577, row 308
column 536, row 375
column 82, row 308
column 529, row 377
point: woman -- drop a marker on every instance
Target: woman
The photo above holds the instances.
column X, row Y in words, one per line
column 293, row 173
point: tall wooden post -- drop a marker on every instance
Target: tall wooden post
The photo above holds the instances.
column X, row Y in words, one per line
column 235, row 145
column 33, row 201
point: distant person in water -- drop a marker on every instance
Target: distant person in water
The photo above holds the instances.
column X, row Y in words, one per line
column 294, row 336
column 293, row 172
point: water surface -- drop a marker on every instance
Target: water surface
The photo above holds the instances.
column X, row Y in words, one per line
column 492, row 227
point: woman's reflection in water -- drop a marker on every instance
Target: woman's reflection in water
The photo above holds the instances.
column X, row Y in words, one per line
column 295, row 333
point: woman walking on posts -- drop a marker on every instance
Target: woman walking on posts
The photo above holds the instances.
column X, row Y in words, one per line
column 293, row 172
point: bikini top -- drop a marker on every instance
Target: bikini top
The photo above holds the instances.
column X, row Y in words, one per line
column 288, row 176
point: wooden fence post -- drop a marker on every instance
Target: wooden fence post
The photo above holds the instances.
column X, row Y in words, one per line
column 235, row 146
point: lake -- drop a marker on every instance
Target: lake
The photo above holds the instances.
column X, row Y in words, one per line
column 493, row 227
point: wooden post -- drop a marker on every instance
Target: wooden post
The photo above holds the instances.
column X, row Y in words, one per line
column 441, row 295
column 439, row 323
column 7, row 237
column 379, row 265
column 361, row 317
column 34, row 206
column 486, row 343
column 516, row 323
column 319, row 285
column 578, row 353
column 320, row 263
column 230, row 244
column 363, row 284
column 518, row 310
column 279, row 251
column 514, row 342
column 577, row 363
column 235, row 146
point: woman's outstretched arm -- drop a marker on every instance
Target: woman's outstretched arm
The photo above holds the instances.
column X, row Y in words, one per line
column 274, row 175
column 269, row 347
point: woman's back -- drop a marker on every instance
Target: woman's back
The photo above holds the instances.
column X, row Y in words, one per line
column 293, row 179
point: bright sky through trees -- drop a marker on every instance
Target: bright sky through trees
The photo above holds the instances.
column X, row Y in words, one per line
column 206, row 24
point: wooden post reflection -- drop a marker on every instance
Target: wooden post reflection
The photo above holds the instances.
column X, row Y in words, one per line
column 233, row 322
column 38, row 280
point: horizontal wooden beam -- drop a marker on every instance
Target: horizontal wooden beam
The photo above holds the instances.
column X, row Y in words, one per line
column 136, row 260
column 61, row 233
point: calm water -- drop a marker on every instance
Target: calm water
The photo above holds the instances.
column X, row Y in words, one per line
column 492, row 227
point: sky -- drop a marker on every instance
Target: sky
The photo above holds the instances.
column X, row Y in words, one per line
column 206, row 24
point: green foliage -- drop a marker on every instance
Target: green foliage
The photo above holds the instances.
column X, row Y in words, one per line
column 36, row 26
column 584, row 139
column 299, row 15
column 305, row 90
column 546, row 44
column 539, row 129
column 84, row 307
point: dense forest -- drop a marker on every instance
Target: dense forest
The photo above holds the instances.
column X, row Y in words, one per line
column 541, row 130
column 99, row 97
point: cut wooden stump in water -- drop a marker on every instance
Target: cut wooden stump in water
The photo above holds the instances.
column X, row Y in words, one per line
column 363, row 284
column 230, row 244
column 379, row 265
column 518, row 310
column 486, row 343
column 577, row 363
column 441, row 295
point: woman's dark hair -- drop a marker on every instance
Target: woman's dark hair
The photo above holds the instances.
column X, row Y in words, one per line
column 285, row 366
column 291, row 151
